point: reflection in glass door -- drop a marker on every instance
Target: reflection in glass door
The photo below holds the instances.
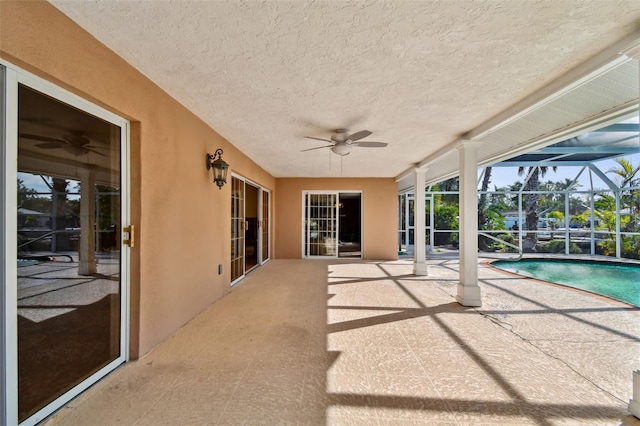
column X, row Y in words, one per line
column 69, row 304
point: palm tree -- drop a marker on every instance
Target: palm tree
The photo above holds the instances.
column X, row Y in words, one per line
column 627, row 174
column 560, row 187
column 577, row 206
column 531, row 203
column 482, row 202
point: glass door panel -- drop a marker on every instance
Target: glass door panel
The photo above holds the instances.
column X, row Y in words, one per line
column 265, row 226
column 321, row 225
column 428, row 220
column 69, row 287
column 350, row 225
column 252, row 236
column 237, row 228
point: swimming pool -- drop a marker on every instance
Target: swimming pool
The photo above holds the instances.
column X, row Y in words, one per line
column 616, row 280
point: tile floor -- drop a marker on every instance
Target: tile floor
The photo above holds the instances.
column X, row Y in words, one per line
column 366, row 343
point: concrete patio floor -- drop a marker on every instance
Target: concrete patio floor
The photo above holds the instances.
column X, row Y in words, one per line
column 356, row 342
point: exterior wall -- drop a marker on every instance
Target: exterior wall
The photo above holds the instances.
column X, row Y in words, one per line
column 182, row 219
column 379, row 214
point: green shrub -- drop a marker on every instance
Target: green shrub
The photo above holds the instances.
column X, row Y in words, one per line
column 507, row 238
column 557, row 246
column 629, row 246
column 488, row 244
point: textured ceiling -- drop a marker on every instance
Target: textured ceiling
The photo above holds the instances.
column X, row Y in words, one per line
column 416, row 74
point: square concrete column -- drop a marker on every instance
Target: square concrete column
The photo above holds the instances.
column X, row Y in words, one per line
column 419, row 240
column 634, row 404
column 468, row 289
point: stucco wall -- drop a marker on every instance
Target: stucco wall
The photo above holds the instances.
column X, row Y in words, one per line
column 379, row 211
column 181, row 217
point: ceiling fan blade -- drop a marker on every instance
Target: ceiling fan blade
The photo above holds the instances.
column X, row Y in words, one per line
column 318, row 147
column 358, row 135
column 75, row 150
column 41, row 138
column 50, row 145
column 94, row 151
column 319, row 139
column 370, row 144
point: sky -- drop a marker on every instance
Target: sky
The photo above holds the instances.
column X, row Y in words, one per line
column 36, row 182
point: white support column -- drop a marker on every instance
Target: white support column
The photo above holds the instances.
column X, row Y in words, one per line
column 87, row 246
column 419, row 240
column 634, row 403
column 468, row 289
column 618, row 229
column 567, row 223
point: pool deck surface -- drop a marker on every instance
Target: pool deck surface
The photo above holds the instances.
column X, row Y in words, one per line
column 368, row 343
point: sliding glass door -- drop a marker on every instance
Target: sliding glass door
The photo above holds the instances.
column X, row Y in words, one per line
column 321, row 224
column 66, row 288
column 250, row 226
column 332, row 224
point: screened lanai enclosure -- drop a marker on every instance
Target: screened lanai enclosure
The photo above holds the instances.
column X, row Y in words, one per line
column 577, row 196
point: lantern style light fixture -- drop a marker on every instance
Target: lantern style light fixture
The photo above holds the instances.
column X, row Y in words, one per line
column 219, row 168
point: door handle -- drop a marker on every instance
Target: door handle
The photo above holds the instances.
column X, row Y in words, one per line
column 131, row 231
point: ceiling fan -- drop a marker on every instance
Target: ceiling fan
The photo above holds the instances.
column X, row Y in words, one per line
column 74, row 143
column 342, row 142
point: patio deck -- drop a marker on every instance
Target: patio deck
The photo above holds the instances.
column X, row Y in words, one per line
column 356, row 342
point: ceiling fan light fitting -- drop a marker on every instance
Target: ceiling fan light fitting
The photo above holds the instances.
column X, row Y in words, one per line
column 341, row 149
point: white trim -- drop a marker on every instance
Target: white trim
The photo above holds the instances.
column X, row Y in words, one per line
column 57, row 92
column 268, row 192
column 16, row 76
column 592, row 123
column 125, row 256
column 8, row 250
column 567, row 83
column 259, row 236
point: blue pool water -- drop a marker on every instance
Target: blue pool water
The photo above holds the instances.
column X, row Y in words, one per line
column 615, row 280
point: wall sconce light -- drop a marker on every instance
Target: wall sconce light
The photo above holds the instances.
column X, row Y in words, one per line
column 219, row 168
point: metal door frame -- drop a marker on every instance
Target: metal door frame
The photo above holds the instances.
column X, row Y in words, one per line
column 10, row 77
